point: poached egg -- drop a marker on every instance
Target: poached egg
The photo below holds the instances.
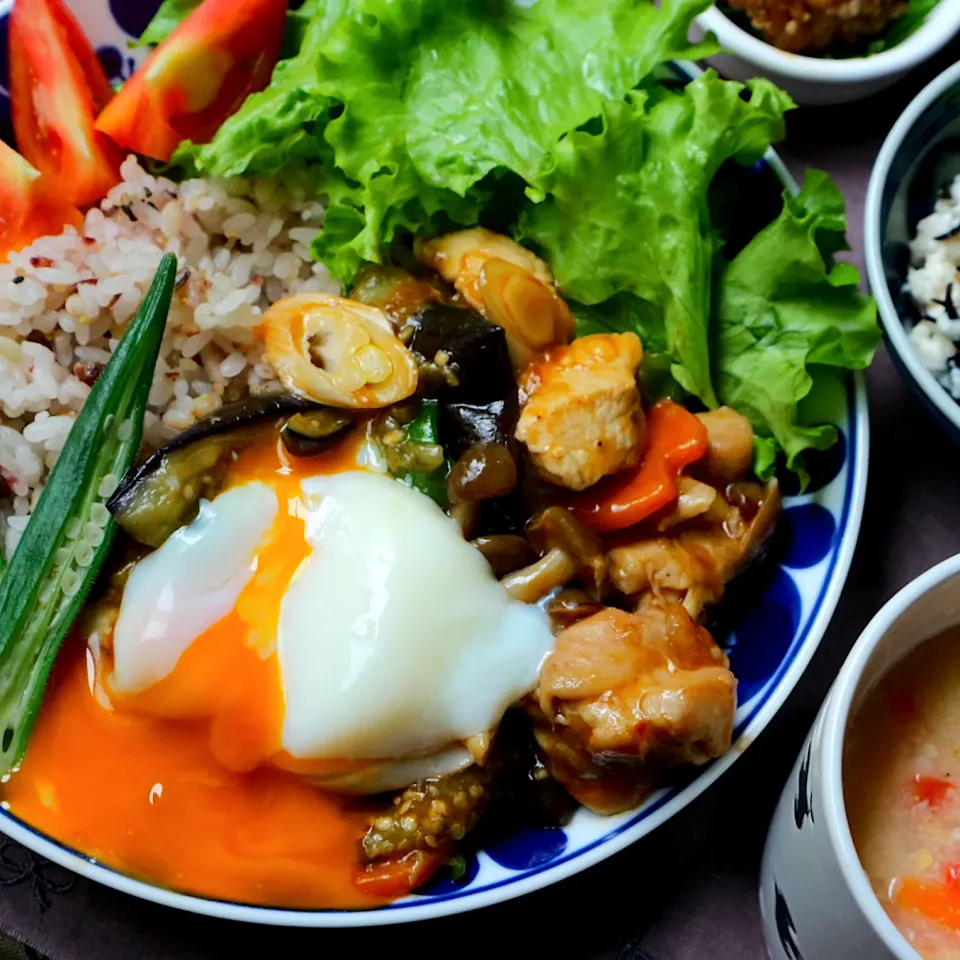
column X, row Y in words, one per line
column 327, row 620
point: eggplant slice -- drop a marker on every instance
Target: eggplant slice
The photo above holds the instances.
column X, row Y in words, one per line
column 473, row 348
column 164, row 492
column 315, row 432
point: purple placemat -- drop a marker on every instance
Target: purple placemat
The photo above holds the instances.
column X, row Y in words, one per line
column 688, row 892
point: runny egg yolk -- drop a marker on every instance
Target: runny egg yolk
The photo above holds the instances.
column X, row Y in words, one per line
column 179, row 801
column 230, row 673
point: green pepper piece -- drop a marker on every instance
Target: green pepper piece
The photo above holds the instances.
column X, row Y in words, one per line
column 424, row 429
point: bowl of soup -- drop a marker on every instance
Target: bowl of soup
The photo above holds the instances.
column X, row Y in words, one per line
column 863, row 855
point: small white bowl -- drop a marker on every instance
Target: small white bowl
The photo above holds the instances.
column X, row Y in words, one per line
column 920, row 154
column 817, row 81
column 815, row 897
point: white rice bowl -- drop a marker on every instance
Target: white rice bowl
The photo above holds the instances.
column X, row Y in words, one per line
column 65, row 301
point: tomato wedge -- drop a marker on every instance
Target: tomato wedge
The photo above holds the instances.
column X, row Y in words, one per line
column 57, row 88
column 675, row 439
column 200, row 75
column 29, row 206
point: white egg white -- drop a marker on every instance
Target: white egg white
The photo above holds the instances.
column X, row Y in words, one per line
column 182, row 589
column 395, row 639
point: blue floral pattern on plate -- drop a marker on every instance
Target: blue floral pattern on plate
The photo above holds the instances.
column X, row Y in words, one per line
column 768, row 647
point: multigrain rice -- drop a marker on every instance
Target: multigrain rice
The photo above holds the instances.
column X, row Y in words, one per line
column 65, row 301
column 932, row 282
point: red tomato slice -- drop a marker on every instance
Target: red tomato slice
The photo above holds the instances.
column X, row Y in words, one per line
column 57, row 88
column 201, row 74
column 29, row 207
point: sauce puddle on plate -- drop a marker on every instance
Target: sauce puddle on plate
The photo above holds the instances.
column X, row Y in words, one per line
column 147, row 796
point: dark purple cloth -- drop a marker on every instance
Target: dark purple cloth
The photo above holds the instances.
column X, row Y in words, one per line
column 689, row 891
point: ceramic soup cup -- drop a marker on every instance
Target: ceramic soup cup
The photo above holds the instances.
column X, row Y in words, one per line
column 815, row 897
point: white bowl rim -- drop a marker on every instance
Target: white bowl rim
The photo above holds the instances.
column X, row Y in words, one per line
column 833, row 735
column 940, row 27
column 873, row 246
column 858, row 456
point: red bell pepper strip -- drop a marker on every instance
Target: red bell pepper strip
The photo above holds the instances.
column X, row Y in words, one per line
column 394, row 878
column 675, row 439
column 197, row 77
column 29, row 207
column 57, row 88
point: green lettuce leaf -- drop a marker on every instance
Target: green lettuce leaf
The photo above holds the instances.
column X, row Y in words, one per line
column 784, row 308
column 625, row 211
column 169, row 16
column 419, row 108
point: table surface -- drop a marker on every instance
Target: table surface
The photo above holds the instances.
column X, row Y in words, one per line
column 689, row 891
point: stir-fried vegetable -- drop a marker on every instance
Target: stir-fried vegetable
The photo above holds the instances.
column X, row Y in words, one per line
column 69, row 534
column 483, row 472
column 310, row 434
column 418, row 458
column 29, row 206
column 904, row 26
column 164, row 492
column 431, row 814
column 473, row 351
column 675, row 439
column 406, row 844
column 57, row 87
column 198, row 76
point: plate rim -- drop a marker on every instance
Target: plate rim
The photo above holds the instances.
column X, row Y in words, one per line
column 498, row 892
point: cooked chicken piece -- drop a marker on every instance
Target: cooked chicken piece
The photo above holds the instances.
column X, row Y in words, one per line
column 626, row 695
column 729, row 443
column 803, row 26
column 693, row 565
column 582, row 419
column 508, row 284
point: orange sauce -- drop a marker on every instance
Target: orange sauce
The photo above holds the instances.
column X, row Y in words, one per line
column 182, row 784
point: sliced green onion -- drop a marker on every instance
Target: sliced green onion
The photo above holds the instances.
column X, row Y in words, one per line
column 70, row 532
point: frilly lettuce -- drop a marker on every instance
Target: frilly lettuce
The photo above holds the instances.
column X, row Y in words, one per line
column 784, row 308
column 417, row 108
column 625, row 209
